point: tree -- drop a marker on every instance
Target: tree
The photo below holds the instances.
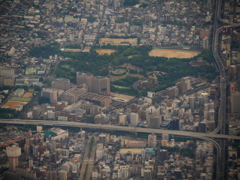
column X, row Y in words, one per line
column 43, row 100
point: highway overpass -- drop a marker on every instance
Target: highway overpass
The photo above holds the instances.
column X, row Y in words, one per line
column 117, row 128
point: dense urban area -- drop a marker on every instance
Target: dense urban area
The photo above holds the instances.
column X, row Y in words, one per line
column 119, row 89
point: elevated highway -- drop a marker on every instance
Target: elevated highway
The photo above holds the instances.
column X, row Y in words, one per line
column 117, row 128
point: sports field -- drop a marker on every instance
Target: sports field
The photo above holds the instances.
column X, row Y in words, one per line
column 27, row 94
column 118, row 40
column 21, row 99
column 168, row 53
column 13, row 104
column 105, row 51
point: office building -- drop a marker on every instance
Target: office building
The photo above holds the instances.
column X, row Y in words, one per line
column 235, row 102
column 238, row 77
column 61, row 83
column 152, row 140
column 172, row 91
column 100, row 85
column 205, row 43
column 155, row 121
column 7, row 72
column 191, row 102
column 165, row 137
column 52, row 94
column 84, row 78
column 163, row 155
column 123, row 172
column 73, row 95
column 147, row 174
column 134, row 119
column 51, row 175
column 13, row 153
column 122, row 119
column 62, row 175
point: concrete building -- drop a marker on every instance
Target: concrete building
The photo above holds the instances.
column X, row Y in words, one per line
column 62, row 175
column 172, row 91
column 7, row 72
column 84, row 78
column 205, row 43
column 61, row 83
column 122, row 119
column 52, row 175
column 13, row 152
column 147, row 174
column 100, row 85
column 155, row 121
column 73, row 95
column 235, row 102
column 19, row 92
column 52, row 94
column 134, row 119
column 152, row 140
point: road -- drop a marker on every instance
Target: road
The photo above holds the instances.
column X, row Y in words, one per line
column 118, row 128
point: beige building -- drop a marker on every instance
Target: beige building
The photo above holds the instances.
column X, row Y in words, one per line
column 6, row 72
column 61, row 83
column 73, row 95
column 235, row 102
column 98, row 84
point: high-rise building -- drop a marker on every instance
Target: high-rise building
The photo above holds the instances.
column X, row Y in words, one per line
column 165, row 137
column 122, row 119
column 155, row 121
column 84, row 78
column 100, row 85
column 134, row 118
column 50, row 93
column 7, row 72
column 62, row 175
column 51, row 175
column 13, row 152
column 235, row 102
column 205, row 43
column 61, row 83
column 192, row 102
column 172, row 91
column 123, row 172
column 147, row 174
column 238, row 77
column 103, row 139
column 152, row 140
column 163, row 155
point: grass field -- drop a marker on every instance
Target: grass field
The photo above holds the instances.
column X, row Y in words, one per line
column 21, row 99
column 115, row 78
column 173, row 53
column 121, row 87
column 105, row 51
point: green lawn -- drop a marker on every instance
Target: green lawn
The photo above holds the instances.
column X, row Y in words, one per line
column 121, row 87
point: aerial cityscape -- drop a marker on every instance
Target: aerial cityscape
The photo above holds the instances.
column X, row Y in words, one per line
column 120, row 90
